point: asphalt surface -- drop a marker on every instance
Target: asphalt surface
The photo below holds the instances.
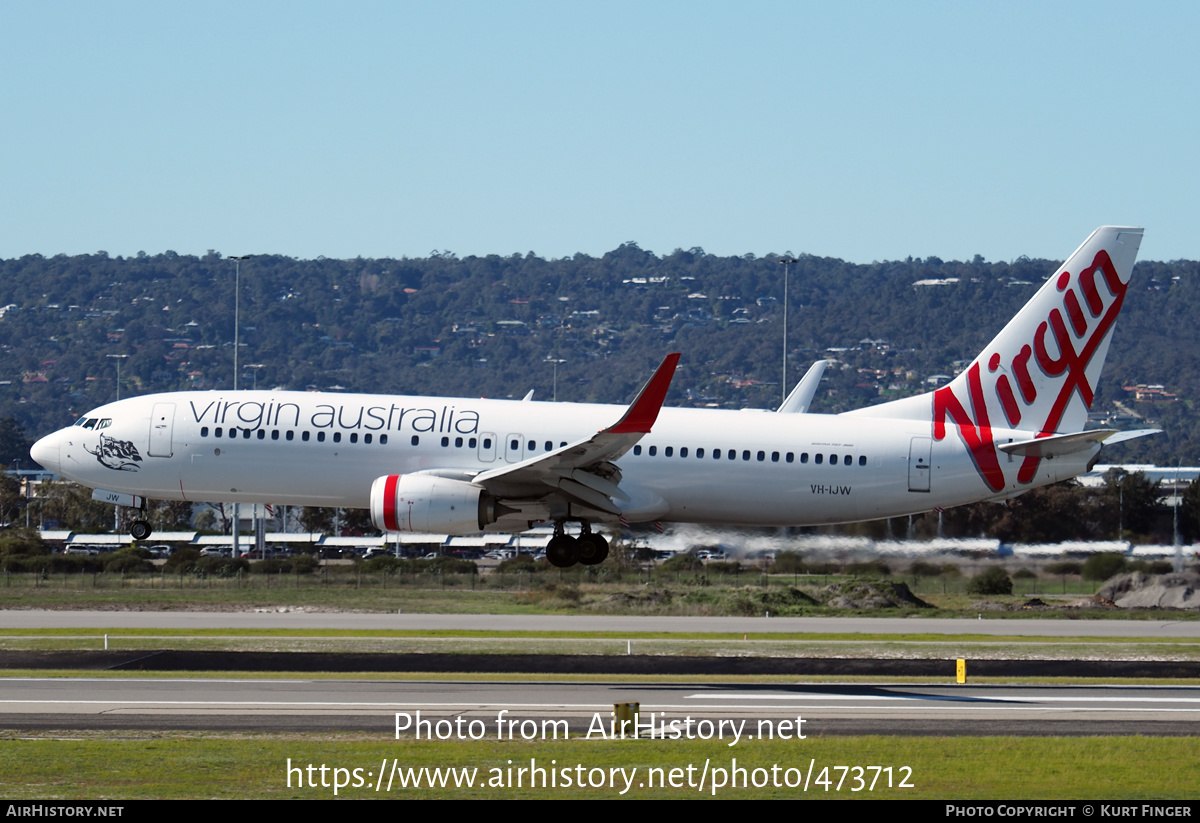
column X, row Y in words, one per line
column 300, row 705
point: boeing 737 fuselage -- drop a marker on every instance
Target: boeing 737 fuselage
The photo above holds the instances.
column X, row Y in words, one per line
column 1012, row 421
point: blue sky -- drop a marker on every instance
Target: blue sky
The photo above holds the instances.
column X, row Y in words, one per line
column 865, row 131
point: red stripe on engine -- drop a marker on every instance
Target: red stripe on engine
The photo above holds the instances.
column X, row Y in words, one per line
column 389, row 503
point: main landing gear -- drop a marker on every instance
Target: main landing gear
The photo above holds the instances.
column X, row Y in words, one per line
column 565, row 551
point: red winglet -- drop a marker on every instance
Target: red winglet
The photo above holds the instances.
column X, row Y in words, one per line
column 642, row 413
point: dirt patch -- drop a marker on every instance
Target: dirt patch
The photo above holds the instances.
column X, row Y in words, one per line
column 861, row 594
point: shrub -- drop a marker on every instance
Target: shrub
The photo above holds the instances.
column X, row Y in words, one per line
column 683, row 563
column 923, row 569
column 1064, row 567
column 1024, row 574
column 1103, row 566
column 182, row 561
column 1151, row 566
column 787, row 562
column 992, row 581
column 868, row 568
column 724, row 567
column 519, row 563
column 450, row 565
column 221, row 566
column 128, row 560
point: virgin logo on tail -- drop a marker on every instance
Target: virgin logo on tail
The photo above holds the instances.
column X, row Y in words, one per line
column 1053, row 364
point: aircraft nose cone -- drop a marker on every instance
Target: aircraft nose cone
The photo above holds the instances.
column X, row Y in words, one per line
column 45, row 453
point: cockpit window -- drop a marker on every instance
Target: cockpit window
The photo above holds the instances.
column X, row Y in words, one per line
column 104, row 424
column 89, row 424
column 84, row 421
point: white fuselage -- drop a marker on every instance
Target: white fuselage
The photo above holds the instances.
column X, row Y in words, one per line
column 697, row 465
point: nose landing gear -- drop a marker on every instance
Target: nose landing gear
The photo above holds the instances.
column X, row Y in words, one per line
column 564, row 551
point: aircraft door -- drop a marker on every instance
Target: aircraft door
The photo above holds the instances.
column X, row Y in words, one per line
column 162, row 422
column 920, row 465
column 514, row 447
column 487, row 447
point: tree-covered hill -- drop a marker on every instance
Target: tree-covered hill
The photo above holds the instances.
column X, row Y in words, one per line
column 486, row 326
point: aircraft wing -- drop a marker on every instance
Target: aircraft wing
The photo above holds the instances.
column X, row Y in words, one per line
column 583, row 470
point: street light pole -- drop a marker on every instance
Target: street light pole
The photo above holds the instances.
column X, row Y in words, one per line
column 555, row 361
column 787, row 264
column 118, row 358
column 237, row 309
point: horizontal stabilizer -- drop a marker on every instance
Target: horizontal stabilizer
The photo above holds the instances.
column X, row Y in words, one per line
column 1062, row 444
column 1129, row 435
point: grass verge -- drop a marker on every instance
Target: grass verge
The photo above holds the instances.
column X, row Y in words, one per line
column 256, row 766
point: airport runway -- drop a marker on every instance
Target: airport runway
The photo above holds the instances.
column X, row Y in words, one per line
column 300, row 705
column 299, row 620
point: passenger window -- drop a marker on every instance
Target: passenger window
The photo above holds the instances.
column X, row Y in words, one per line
column 204, row 431
column 716, row 454
column 683, row 451
column 487, row 442
column 290, row 435
column 353, row 437
column 245, row 434
column 337, row 437
column 445, row 442
column 514, row 445
column 833, row 459
column 847, row 460
column 470, row 443
column 862, row 460
column 668, row 451
column 457, row 442
column 232, row 433
column 791, row 458
column 262, row 434
column 637, row 450
column 549, row 445
column 653, row 450
column 367, row 439
column 320, row 437
column 818, row 458
column 732, row 454
column 774, row 457
column 803, row 457
column 746, row 454
column 700, row 452
column 304, row 437
column 532, row 445
column 416, row 440
column 383, row 439
column 274, row 434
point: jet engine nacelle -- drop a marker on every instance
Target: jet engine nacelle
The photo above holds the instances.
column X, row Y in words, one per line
column 426, row 503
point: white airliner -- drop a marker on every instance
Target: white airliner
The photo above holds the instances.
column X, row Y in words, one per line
column 1012, row 421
